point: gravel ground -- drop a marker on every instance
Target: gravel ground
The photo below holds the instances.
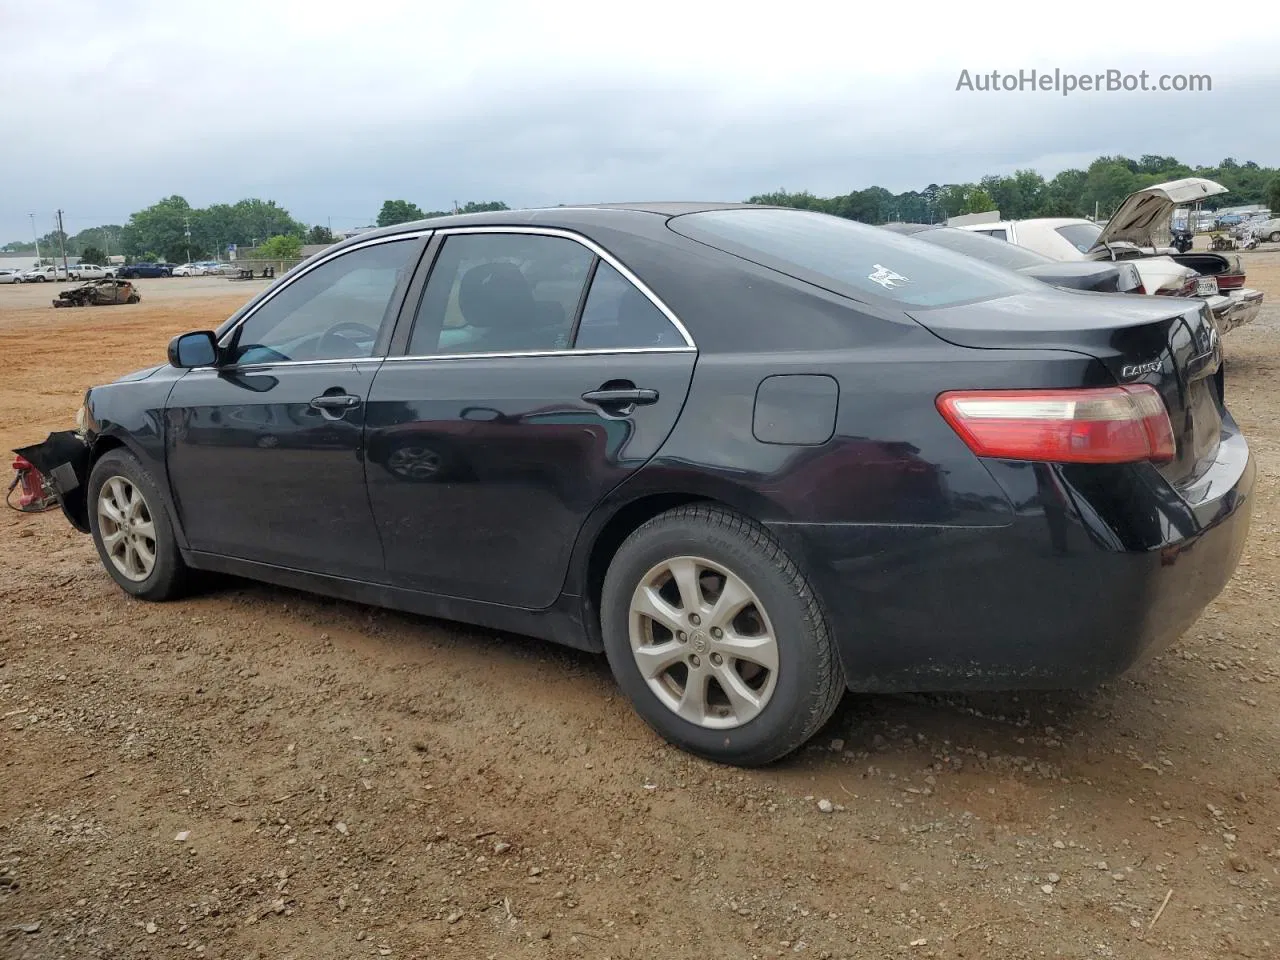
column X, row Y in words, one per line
column 256, row 772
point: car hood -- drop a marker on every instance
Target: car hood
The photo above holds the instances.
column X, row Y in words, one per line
column 139, row 374
column 1143, row 217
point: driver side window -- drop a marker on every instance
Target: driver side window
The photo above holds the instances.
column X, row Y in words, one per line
column 333, row 312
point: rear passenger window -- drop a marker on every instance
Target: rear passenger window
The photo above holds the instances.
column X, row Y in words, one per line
column 617, row 316
column 501, row 293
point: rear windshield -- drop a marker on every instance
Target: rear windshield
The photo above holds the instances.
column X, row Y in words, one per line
column 1002, row 253
column 850, row 258
column 1082, row 236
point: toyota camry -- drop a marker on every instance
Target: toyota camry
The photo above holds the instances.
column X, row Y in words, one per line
column 756, row 456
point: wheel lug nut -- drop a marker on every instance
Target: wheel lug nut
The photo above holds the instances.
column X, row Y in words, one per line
column 695, row 619
column 717, row 659
column 694, row 661
column 682, row 637
column 717, row 632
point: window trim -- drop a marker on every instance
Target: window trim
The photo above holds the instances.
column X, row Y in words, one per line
column 600, row 253
column 288, row 281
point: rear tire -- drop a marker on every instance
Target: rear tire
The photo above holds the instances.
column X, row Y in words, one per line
column 1275, row 237
column 131, row 528
column 742, row 682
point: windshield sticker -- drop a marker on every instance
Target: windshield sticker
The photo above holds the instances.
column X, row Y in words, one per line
column 886, row 277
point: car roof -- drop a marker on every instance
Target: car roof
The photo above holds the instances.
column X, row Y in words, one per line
column 566, row 217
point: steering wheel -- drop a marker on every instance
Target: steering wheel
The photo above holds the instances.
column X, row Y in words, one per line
column 336, row 331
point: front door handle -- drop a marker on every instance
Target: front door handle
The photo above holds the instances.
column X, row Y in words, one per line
column 330, row 401
column 621, row 397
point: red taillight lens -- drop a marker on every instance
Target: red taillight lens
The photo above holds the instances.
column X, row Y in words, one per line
column 1230, row 281
column 1094, row 425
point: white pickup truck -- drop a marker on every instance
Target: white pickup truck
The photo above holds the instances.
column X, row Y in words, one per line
column 91, row 271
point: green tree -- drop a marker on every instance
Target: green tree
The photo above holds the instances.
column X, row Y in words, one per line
column 285, row 246
column 92, row 255
column 398, row 211
column 1273, row 195
column 483, row 206
column 319, row 234
column 160, row 228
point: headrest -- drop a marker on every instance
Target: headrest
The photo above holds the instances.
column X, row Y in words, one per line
column 495, row 295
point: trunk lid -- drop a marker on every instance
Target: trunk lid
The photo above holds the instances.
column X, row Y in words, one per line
column 1143, row 218
column 1173, row 346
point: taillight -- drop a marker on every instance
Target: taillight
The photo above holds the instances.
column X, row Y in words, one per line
column 1230, row 281
column 1122, row 424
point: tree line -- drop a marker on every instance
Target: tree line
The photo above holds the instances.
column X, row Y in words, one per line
column 175, row 231
column 1025, row 193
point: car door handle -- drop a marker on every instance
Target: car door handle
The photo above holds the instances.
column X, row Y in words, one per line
column 619, row 397
column 329, row 401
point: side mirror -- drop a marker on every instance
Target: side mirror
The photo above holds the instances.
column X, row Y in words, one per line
column 196, row 349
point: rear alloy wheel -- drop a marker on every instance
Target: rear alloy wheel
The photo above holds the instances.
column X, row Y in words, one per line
column 717, row 638
column 1275, row 237
column 131, row 528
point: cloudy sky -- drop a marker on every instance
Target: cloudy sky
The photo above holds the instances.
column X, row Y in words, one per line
column 331, row 108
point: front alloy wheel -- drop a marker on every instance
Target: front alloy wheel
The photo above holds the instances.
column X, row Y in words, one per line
column 131, row 528
column 127, row 529
column 703, row 643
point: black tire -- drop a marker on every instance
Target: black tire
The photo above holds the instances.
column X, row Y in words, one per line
column 809, row 680
column 40, row 279
column 1275, row 237
column 168, row 576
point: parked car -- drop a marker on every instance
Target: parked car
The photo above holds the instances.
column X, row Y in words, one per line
column 1049, row 484
column 131, row 271
column 189, row 270
column 1101, row 277
column 10, row 276
column 1139, row 232
column 1268, row 230
column 43, row 275
column 91, row 271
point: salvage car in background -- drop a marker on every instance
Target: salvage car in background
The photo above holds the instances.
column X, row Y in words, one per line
column 10, row 276
column 1138, row 232
column 1098, row 276
column 1049, row 485
column 98, row 293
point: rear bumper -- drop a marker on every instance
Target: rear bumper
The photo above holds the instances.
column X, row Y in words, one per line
column 1074, row 592
column 1236, row 308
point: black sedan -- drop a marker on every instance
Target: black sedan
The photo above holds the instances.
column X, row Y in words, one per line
column 131, row 271
column 756, row 456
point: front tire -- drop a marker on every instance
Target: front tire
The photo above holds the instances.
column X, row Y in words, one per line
column 717, row 637
column 131, row 528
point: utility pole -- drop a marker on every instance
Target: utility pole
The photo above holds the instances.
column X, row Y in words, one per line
column 34, row 236
column 62, row 244
column 455, row 206
column 186, row 223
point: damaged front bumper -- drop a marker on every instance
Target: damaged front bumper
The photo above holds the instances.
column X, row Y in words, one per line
column 63, row 458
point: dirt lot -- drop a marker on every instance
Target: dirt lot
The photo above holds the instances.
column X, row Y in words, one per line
column 351, row 782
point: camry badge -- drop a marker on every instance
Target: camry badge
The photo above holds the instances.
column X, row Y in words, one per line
column 1131, row 370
